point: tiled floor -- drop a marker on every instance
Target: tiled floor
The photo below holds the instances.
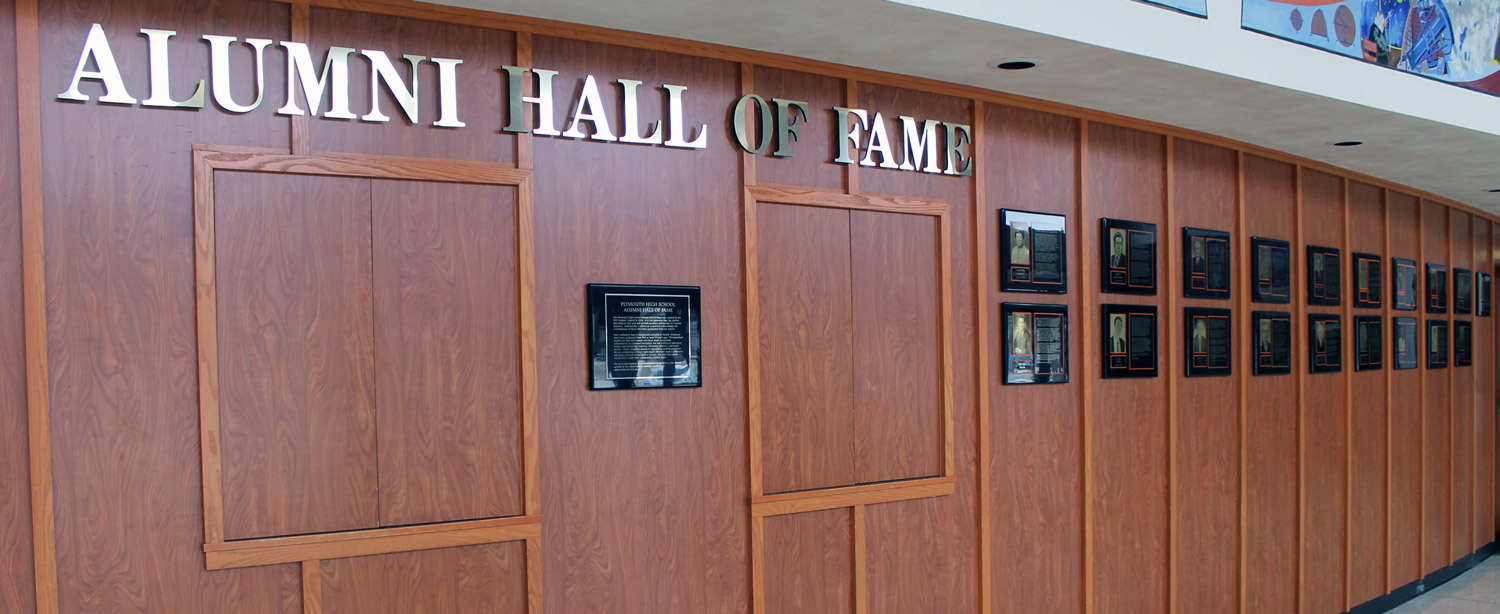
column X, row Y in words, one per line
column 1477, row 591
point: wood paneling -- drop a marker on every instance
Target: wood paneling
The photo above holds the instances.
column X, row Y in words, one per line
column 1271, row 433
column 1437, row 466
column 811, row 163
column 446, row 334
column 488, row 578
column 1205, row 516
column 1324, row 440
column 1404, row 537
column 1484, row 394
column 1461, row 438
column 1128, row 418
column 809, row 562
column 1036, row 469
column 1367, row 419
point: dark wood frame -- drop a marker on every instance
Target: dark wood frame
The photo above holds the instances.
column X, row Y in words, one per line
column 1334, row 349
column 1006, row 310
column 1414, row 348
column 1367, row 297
column 1437, row 297
column 1190, row 315
column 1362, row 359
column 1257, row 367
column 1462, row 281
column 1404, row 273
column 1110, row 309
column 1321, row 293
column 1008, row 284
column 1436, row 359
column 1189, row 277
column 1264, row 291
column 1128, row 227
column 1463, row 353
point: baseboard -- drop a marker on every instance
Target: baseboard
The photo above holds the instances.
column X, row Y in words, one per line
column 1407, row 592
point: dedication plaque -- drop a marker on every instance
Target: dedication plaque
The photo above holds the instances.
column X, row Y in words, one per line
column 1437, row 344
column 1036, row 343
column 1437, row 288
column 645, row 336
column 1404, row 337
column 1129, row 341
column 1128, row 253
column 1324, row 282
column 1368, row 353
column 1033, row 254
column 1273, row 342
column 1208, row 342
column 1482, row 294
column 1271, row 265
column 1325, row 343
column 1205, row 263
column 1404, row 284
column 1368, row 290
column 1463, row 343
column 1463, row 292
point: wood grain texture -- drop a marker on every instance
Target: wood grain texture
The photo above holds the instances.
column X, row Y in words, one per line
column 1035, row 461
column 1205, row 517
column 1437, row 418
column 1367, row 434
column 809, row 562
column 1270, row 504
column 446, row 331
column 1461, row 382
column 865, row 494
column 811, row 163
column 312, row 587
column 1404, row 555
column 228, row 157
column 1484, row 395
column 485, row 578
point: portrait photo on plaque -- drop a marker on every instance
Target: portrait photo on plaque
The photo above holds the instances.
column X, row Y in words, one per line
column 1437, row 288
column 1208, row 332
column 1482, row 294
column 1271, row 333
column 1368, row 290
column 1271, row 272
column 643, row 336
column 1205, row 263
column 1463, row 343
column 1324, row 343
column 1437, row 344
column 1033, row 252
column 1036, row 343
column 1406, row 353
column 1404, row 294
column 1463, row 292
column 1129, row 341
column 1324, row 281
column 1127, row 253
column 1368, row 351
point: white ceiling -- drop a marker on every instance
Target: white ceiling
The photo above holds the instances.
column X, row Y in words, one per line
column 1436, row 156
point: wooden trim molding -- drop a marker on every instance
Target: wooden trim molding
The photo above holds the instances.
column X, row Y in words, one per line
column 279, row 550
column 312, row 587
column 864, row 494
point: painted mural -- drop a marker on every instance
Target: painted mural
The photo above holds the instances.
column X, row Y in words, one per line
column 1457, row 41
column 1191, row 7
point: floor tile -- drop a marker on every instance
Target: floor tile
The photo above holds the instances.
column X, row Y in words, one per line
column 1433, row 604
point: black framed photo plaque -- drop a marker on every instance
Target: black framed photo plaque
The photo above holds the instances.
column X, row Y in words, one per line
column 1033, row 252
column 1325, row 343
column 1437, row 288
column 1324, row 283
column 1368, row 290
column 1437, row 344
column 1205, row 263
column 1129, row 341
column 1463, row 292
column 1208, row 333
column 1463, row 343
column 1127, row 252
column 1271, row 279
column 644, row 336
column 1036, row 343
column 1404, row 284
column 1272, row 332
column 1369, row 353
column 1482, row 294
column 1404, row 339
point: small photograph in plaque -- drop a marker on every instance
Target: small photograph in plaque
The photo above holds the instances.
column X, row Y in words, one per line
column 1036, row 343
column 644, row 337
column 1437, row 344
column 1034, row 252
column 1324, row 343
column 1482, row 294
column 1463, row 292
column 1368, row 350
column 1463, row 343
column 1128, row 254
column 1404, row 337
column 1208, row 342
column 1324, row 281
column 1205, row 263
column 1272, row 332
column 1129, row 341
column 1437, row 288
column 1271, row 268
column 1368, row 290
column 1404, row 284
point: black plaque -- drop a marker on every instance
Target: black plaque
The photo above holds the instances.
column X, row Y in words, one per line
column 1033, row 254
column 645, row 336
column 1324, row 282
column 1463, row 293
column 1208, row 336
column 1036, row 343
column 1437, row 288
column 1437, row 344
column 1404, row 338
column 1129, row 341
column 1271, row 269
column 1482, row 295
column 1273, row 342
column 1127, row 252
column 1463, row 343
column 1404, row 284
column 1369, row 353
column 1205, row 263
column 1325, row 343
column 1368, row 289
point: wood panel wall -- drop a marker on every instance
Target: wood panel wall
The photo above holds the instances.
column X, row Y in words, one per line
column 1291, row 493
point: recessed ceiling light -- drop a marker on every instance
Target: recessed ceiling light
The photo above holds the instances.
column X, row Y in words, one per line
column 1493, row 190
column 1016, row 65
column 1348, row 143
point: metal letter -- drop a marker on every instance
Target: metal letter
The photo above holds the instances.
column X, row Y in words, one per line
column 849, row 134
column 633, row 117
column 879, row 143
column 590, row 109
column 674, row 117
column 959, row 137
column 382, row 70
column 919, row 144
column 218, row 62
column 161, row 74
column 96, row 46
column 447, row 93
column 741, row 125
column 518, row 99
column 786, row 117
column 335, row 77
